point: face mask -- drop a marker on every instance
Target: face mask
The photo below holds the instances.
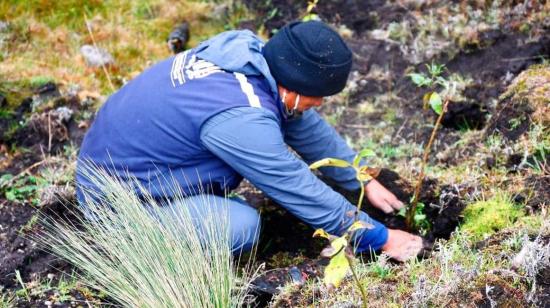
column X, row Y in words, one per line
column 296, row 102
column 291, row 112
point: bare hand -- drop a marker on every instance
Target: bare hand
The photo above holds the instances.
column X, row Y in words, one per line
column 402, row 246
column 381, row 198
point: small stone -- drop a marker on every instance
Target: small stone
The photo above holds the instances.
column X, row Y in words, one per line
column 48, row 303
column 3, row 26
column 50, row 276
column 64, row 113
column 95, row 56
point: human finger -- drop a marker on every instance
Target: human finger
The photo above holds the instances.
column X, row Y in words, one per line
column 385, row 206
column 394, row 202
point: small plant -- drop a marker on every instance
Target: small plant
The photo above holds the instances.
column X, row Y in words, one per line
column 420, row 220
column 21, row 189
column 7, row 301
column 23, row 291
column 341, row 257
column 434, row 99
column 309, row 15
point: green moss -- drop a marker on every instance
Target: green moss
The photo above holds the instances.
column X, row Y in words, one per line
column 485, row 217
column 14, row 91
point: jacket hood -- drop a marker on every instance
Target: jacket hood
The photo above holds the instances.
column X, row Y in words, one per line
column 238, row 51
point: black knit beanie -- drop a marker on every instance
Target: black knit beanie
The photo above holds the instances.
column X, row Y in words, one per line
column 309, row 58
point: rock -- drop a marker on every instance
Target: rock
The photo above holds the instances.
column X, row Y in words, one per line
column 55, row 193
column 95, row 56
column 64, row 114
column 3, row 26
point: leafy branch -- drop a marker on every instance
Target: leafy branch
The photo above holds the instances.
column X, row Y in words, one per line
column 341, row 257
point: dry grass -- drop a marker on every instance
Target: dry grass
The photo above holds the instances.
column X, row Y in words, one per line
column 43, row 37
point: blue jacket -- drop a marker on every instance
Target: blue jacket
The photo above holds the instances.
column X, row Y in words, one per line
column 210, row 118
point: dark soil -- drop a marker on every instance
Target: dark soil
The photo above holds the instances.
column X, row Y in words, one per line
column 543, row 281
column 538, row 190
column 443, row 204
column 34, row 135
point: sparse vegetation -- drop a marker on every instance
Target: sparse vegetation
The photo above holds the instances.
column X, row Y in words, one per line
column 490, row 154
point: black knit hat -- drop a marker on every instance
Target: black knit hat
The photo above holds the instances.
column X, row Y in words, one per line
column 309, row 58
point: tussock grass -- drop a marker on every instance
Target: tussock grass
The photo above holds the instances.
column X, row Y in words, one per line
column 140, row 256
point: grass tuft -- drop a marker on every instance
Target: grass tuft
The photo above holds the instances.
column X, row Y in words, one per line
column 139, row 256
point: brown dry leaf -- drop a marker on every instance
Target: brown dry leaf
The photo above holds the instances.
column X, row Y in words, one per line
column 83, row 95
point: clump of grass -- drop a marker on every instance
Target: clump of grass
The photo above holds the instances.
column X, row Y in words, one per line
column 142, row 256
column 485, row 217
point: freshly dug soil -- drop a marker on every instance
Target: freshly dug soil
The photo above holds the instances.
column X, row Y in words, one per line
column 442, row 204
column 47, row 133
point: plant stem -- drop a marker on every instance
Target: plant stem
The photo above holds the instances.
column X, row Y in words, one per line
column 95, row 46
column 359, row 202
column 357, row 281
column 414, row 202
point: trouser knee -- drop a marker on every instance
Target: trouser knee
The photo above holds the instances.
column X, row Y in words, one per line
column 245, row 227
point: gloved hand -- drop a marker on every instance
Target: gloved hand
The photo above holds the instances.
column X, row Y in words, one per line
column 402, row 246
column 381, row 198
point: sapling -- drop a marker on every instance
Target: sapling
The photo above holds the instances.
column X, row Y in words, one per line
column 435, row 100
column 341, row 258
column 309, row 15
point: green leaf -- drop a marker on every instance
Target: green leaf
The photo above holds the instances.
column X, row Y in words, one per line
column 436, row 103
column 338, row 267
column 362, row 154
column 402, row 212
column 419, row 217
column 310, row 17
column 11, row 196
column 419, row 79
column 6, row 177
column 329, row 162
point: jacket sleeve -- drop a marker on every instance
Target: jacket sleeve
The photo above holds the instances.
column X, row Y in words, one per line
column 251, row 142
column 314, row 139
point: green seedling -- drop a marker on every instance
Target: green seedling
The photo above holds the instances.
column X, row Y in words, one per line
column 340, row 253
column 420, row 220
column 23, row 291
column 20, row 189
column 434, row 99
